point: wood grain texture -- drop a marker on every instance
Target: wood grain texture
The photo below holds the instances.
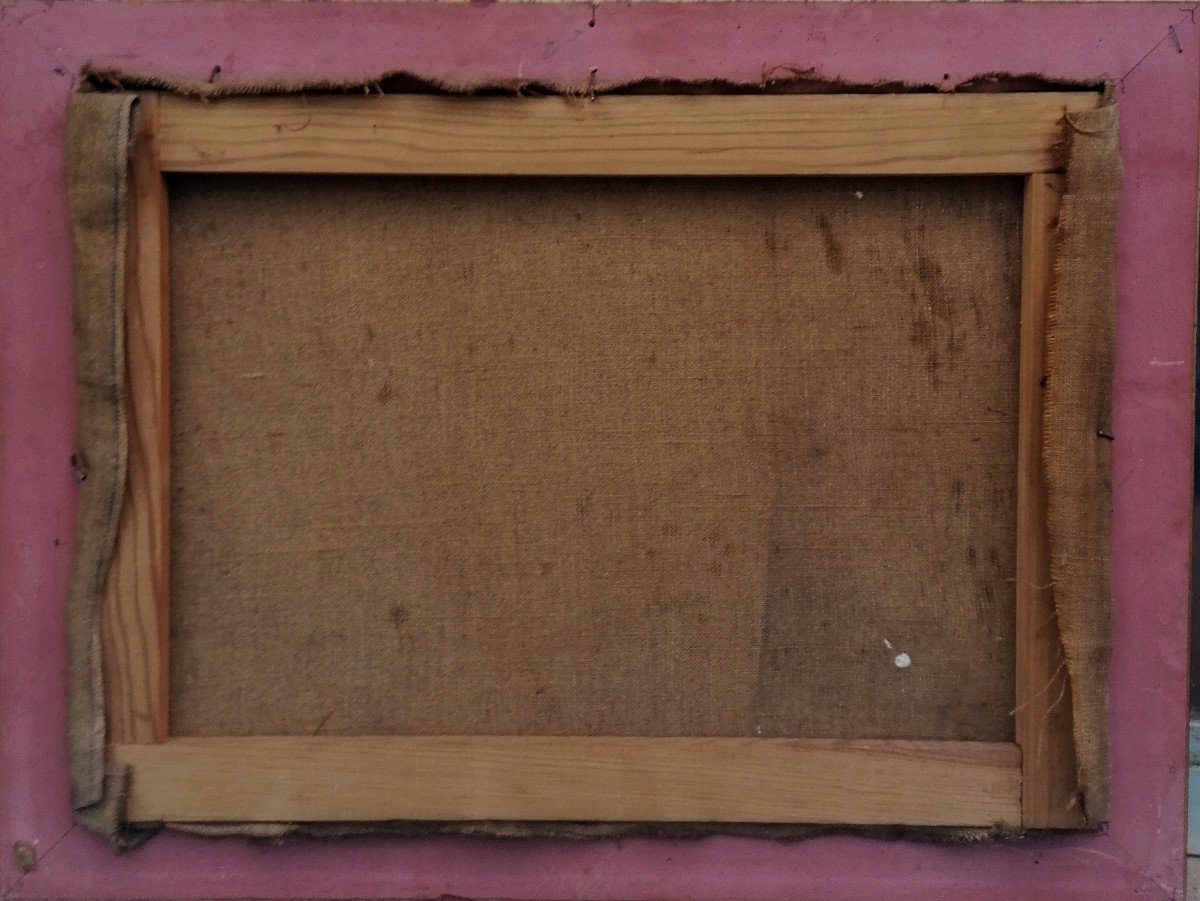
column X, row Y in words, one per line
column 620, row 135
column 134, row 607
column 607, row 779
column 1043, row 703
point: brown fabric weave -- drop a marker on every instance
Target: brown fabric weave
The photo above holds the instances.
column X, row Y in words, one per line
column 1078, row 434
column 685, row 457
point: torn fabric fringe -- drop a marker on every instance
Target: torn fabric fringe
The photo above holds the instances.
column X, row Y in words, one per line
column 575, row 831
column 772, row 80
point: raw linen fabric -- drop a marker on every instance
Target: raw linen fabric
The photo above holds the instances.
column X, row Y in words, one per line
column 1078, row 434
column 594, row 456
column 99, row 133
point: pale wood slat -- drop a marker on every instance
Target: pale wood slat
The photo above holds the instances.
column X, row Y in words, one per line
column 621, row 135
column 574, row 778
column 134, row 604
column 1043, row 701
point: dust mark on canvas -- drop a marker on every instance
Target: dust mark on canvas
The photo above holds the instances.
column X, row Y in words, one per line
column 934, row 329
column 833, row 247
column 399, row 615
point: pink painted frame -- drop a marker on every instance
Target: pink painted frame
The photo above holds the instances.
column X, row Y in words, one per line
column 1151, row 48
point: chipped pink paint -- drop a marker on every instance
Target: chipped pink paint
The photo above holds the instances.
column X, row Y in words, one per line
column 42, row 44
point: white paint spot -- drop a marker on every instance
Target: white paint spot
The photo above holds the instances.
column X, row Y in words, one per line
column 903, row 661
column 887, row 644
column 858, row 195
column 1158, row 362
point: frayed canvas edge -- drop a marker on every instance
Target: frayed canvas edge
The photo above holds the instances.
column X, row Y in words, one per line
column 775, row 79
column 573, row 831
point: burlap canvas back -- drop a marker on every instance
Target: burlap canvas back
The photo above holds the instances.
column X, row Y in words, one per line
column 594, row 456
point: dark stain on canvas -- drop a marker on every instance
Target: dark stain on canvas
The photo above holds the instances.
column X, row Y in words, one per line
column 834, row 254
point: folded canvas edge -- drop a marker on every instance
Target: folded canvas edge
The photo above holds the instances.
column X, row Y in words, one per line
column 1077, row 437
column 98, row 140
column 98, row 146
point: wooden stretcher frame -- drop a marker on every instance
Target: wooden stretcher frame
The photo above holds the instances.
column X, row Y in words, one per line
column 1030, row 783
